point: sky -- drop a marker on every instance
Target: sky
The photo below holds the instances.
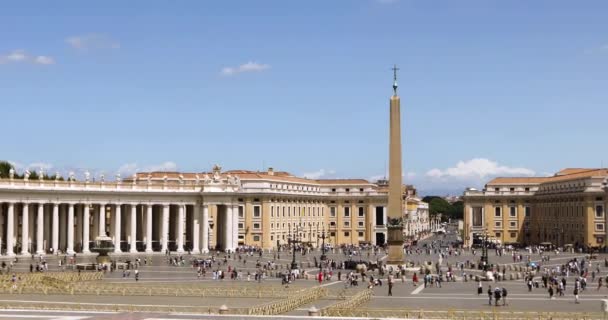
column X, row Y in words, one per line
column 488, row 88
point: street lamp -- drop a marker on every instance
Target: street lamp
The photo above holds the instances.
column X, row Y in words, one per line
column 293, row 240
column 322, row 236
column 484, row 251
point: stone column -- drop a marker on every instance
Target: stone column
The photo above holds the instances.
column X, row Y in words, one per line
column 235, row 227
column 102, row 219
column 149, row 228
column 228, row 228
column 165, row 228
column 133, row 248
column 180, row 228
column 55, row 244
column 10, row 229
column 25, row 229
column 78, row 235
column 196, row 228
column 70, row 249
column 86, row 224
column 117, row 226
column 40, row 229
column 205, row 229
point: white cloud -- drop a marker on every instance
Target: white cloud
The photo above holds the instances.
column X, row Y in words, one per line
column 318, row 174
column 92, row 41
column 478, row 168
column 128, row 169
column 21, row 56
column 247, row 67
column 44, row 60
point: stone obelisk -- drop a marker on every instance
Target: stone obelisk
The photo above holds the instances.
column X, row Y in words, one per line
column 395, row 206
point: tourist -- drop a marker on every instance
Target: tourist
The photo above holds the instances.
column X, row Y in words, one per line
column 479, row 288
column 577, row 286
column 490, row 295
column 391, row 282
column 504, row 296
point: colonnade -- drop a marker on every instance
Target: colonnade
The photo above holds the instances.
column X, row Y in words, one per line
column 71, row 227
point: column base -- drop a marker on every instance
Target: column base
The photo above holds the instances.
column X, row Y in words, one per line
column 118, row 251
column 10, row 254
column 40, row 252
column 195, row 251
column 70, row 251
column 133, row 251
column 87, row 251
column 205, row 251
column 25, row 253
column 180, row 251
column 149, row 250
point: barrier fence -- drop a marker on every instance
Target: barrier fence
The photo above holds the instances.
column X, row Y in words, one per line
column 459, row 314
column 351, row 302
column 286, row 305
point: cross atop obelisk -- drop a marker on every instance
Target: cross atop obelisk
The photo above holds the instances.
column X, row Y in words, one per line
column 395, row 206
column 395, row 69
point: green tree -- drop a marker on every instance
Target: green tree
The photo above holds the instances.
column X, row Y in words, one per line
column 5, row 167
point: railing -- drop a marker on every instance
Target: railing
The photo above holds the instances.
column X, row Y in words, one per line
column 103, row 307
column 352, row 302
column 460, row 314
column 286, row 305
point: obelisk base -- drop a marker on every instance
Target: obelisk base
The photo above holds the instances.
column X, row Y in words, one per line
column 395, row 254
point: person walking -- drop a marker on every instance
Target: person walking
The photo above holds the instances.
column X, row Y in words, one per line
column 415, row 279
column 479, row 288
column 490, row 295
column 599, row 283
column 550, row 292
column 504, row 296
column 577, row 286
column 391, row 281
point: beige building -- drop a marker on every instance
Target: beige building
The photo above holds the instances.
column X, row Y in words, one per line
column 159, row 211
column 566, row 208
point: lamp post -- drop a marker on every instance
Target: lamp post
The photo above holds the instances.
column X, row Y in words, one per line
column 293, row 240
column 484, row 251
column 322, row 237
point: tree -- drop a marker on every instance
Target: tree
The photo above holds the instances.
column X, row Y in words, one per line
column 5, row 168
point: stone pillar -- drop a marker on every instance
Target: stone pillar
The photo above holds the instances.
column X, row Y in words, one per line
column 228, row 228
column 117, row 226
column 70, row 248
column 25, row 229
column 235, row 227
column 40, row 229
column 205, row 229
column 86, row 224
column 78, row 235
column 10, row 229
column 395, row 181
column 180, row 228
column 102, row 219
column 149, row 228
column 196, row 228
column 165, row 228
column 55, row 244
column 133, row 247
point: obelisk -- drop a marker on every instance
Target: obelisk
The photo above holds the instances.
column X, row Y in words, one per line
column 395, row 207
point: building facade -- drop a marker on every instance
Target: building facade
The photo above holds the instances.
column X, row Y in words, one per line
column 159, row 211
column 567, row 208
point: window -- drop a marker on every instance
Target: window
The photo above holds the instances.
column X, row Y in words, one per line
column 256, row 238
column 527, row 189
column 272, row 211
column 256, row 225
column 241, row 226
column 271, row 238
column 512, row 224
column 332, row 223
column 361, row 225
column 361, row 212
column 527, row 212
column 347, row 211
column 272, row 226
column 347, row 190
column 333, row 190
column 599, row 211
column 283, row 211
column 513, row 212
column 496, row 189
column 497, row 212
column 361, row 234
column 332, row 234
column 360, row 189
column 497, row 234
column 241, row 213
column 599, row 227
column 256, row 211
column 511, row 189
column 513, row 234
column 332, row 212
column 347, row 224
column 346, row 234
column 498, row 224
column 477, row 216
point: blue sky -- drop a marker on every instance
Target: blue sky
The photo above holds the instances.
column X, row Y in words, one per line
column 501, row 87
